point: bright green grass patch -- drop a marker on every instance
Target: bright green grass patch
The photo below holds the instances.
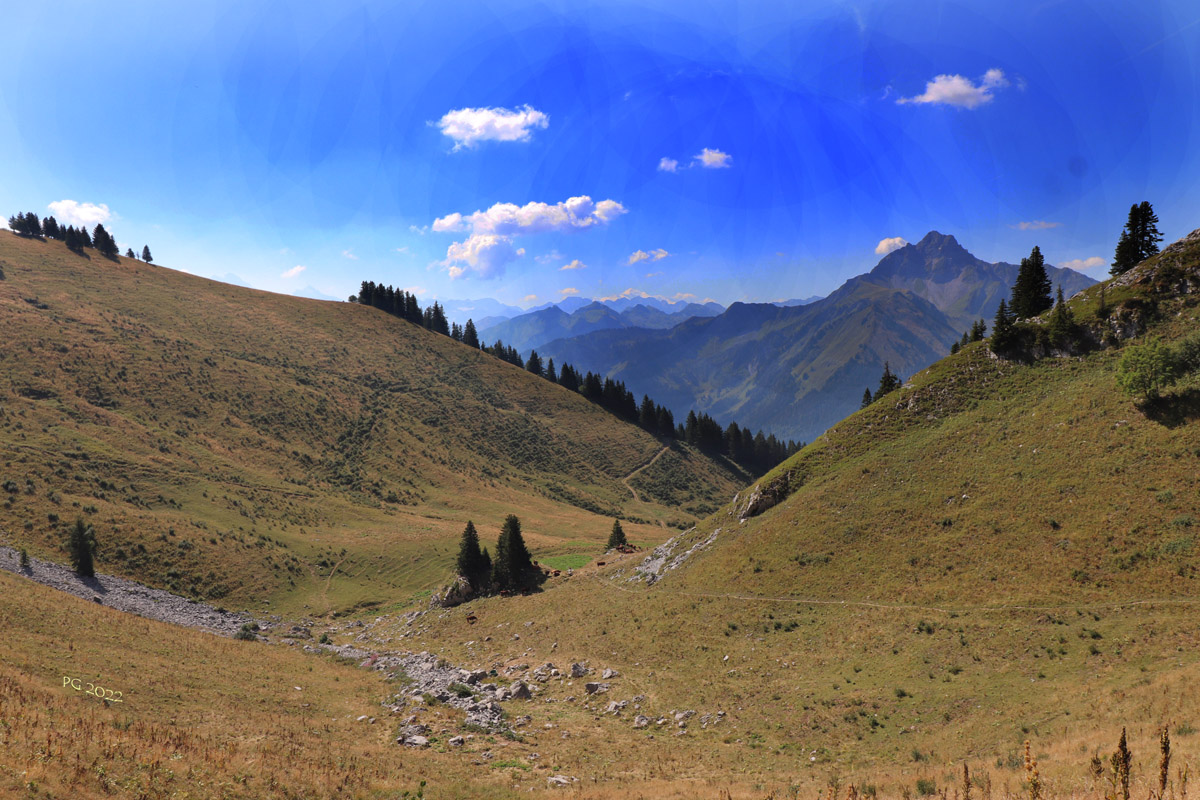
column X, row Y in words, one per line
column 570, row 561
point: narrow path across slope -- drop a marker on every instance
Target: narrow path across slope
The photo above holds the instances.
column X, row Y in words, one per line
column 1181, row 601
column 626, row 480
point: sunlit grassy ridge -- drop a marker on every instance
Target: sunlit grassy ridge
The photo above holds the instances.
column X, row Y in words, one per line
column 236, row 444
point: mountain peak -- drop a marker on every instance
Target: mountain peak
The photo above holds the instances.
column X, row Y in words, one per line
column 934, row 241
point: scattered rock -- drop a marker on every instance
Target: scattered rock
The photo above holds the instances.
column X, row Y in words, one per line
column 596, row 688
column 578, row 670
column 560, row 781
column 413, row 741
column 641, row 721
column 456, row 741
column 610, row 673
column 519, row 691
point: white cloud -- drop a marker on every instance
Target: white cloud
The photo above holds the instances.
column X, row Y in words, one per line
column 529, row 298
column 711, row 158
column 1036, row 225
column 668, row 165
column 402, row 249
column 88, row 215
column 575, row 264
column 415, row 290
column 350, row 255
column 654, row 274
column 1086, row 264
column 485, row 254
column 886, row 246
column 490, row 244
column 653, row 255
column 419, row 231
column 550, row 258
column 468, row 126
column 293, row 272
column 568, row 292
column 509, row 218
column 684, row 296
column 955, row 90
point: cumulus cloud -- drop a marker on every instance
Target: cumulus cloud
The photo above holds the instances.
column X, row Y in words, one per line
column 490, row 244
column 960, row 92
column 1085, row 264
column 886, row 246
column 469, row 126
column 653, row 255
column 508, row 218
column 568, row 291
column 294, row 272
column 485, row 254
column 575, row 264
column 711, row 158
column 668, row 165
column 87, row 215
column 1036, row 225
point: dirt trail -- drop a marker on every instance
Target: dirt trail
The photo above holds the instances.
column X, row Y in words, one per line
column 626, row 480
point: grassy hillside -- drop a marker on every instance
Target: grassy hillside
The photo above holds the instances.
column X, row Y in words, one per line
column 998, row 552
column 239, row 445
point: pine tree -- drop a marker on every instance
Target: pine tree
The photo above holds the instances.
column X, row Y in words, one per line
column 1031, row 292
column 149, row 259
column 954, row 348
column 617, row 537
column 472, row 563
column 84, row 239
column 51, row 229
column 550, row 373
column 866, row 401
column 81, row 547
column 1147, row 236
column 129, row 253
column 470, row 335
column 1003, row 332
column 513, row 569
column 106, row 245
column 1062, row 323
column 888, row 382
column 534, row 364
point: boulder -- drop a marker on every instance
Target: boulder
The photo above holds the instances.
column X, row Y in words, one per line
column 610, row 673
column 641, row 721
column 456, row 741
column 413, row 741
column 559, row 781
column 519, row 691
column 456, row 593
column 578, row 670
column 596, row 688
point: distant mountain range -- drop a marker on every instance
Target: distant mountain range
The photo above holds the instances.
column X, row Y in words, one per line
column 567, row 319
column 796, row 370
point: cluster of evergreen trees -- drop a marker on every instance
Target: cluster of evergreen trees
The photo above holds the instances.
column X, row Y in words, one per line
column 756, row 452
column 512, row 570
column 29, row 224
column 975, row 334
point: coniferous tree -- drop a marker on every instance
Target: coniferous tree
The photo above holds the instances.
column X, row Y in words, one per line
column 470, row 335
column 1148, row 236
column 1031, row 292
column 51, row 229
column 105, row 244
column 888, row 382
column 1062, row 323
column 1139, row 238
column 81, row 547
column 513, row 568
column 648, row 414
column 129, row 253
column 954, row 348
column 146, row 254
column 472, row 563
column 1003, row 331
column 978, row 330
column 866, row 401
column 534, row 364
column 617, row 537
column 84, row 238
column 551, row 375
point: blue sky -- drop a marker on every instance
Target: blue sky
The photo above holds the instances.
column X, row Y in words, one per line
column 735, row 151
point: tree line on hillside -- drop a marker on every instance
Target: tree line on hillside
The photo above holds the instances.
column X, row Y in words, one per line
column 28, row 224
column 757, row 452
